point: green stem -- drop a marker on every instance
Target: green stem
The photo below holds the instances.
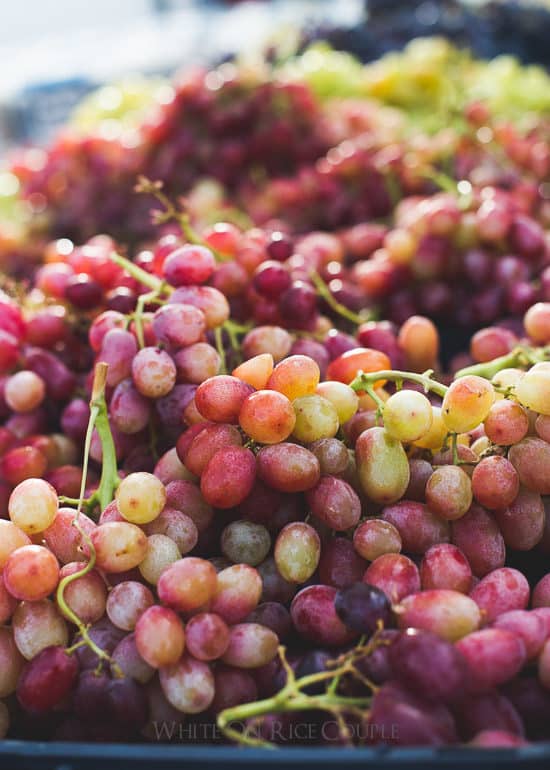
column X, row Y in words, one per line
column 324, row 292
column 520, row 356
column 218, row 338
column 143, row 300
column 364, row 380
column 152, row 281
column 454, row 447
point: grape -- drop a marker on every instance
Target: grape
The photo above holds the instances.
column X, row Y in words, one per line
column 161, row 552
column 533, row 389
column 188, row 265
column 245, row 542
column 129, row 661
column 205, row 445
column 86, row 596
column 105, row 635
column 188, row 685
column 493, row 656
column 449, row 492
column 129, row 410
column 180, row 527
column 11, row 662
column 256, row 371
column 531, row 459
column 363, row 607
column 480, row 539
column 118, row 350
column 251, row 645
column 187, row 584
column 294, row 377
column 340, row 565
column 297, row 551
column 82, row 292
column 177, row 407
column 487, row 711
column 394, row 574
column 493, row 342
column 220, row 398
column 449, row 614
column 153, row 372
column 23, row 464
column 332, row 455
column 288, row 467
column 127, row 602
column 197, row 363
column 347, row 366
column 207, row 636
column 24, row 391
column 531, row 701
column 267, row 339
column 273, row 587
column 127, row 702
column 537, row 323
column 541, row 592
column 527, row 626
column 271, row 279
column 418, row 527
column 315, row 418
column 445, row 566
column 11, row 538
column 407, row 415
column 209, row 300
column 419, row 341
column 31, row 573
column 233, row 686
column 267, row 417
column 177, row 326
column 467, row 403
column 500, row 591
column 425, row 663
column 37, row 625
column 522, row 522
column 315, row 619
column 119, row 546
column 343, row 398
column 273, row 615
column 375, row 537
column 47, row 680
column 229, row 477
column 170, row 468
column 33, row 505
column 436, row 435
column 542, row 426
column 140, row 497
column 237, row 592
column 298, row 304
column 335, row 503
column 159, row 635
column 382, row 466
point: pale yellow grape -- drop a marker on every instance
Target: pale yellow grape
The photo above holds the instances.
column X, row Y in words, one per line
column 33, row 505
column 316, row 418
column 436, row 435
column 407, row 415
column 533, row 390
column 140, row 497
column 466, row 403
column 161, row 552
column 343, row 398
column 507, row 378
column 382, row 466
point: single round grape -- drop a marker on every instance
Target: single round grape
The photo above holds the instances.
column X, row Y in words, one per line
column 316, row 418
column 119, row 546
column 332, row 454
column 467, row 403
column 419, row 340
column 531, row 459
column 127, row 602
column 449, row 492
column 418, row 525
column 31, row 573
column 267, row 417
column 209, row 300
column 295, row 376
column 153, row 372
column 533, row 390
column 233, row 686
column 140, row 497
column 161, row 552
column 86, row 596
column 170, row 468
column 205, row 444
column 129, row 410
column 527, row 626
column 340, row 566
column 343, row 398
column 11, row 538
column 37, row 625
column 118, row 350
column 220, row 398
column 267, row 339
column 245, row 542
column 23, row 463
column 129, row 661
column 160, row 638
column 506, row 423
column 238, row 591
column 197, row 363
column 188, row 265
column 495, row 482
column 207, row 636
column 188, row 685
column 537, row 323
column 375, row 537
column 24, row 391
column 47, row 680
column 297, row 552
column 178, row 526
column 256, row 371
column 407, row 415
column 63, row 538
column 445, row 566
column 335, row 503
column 502, row 590
column 315, row 619
column 251, row 645
column 33, row 505
column 187, row 584
column 273, row 615
column 177, row 325
column 479, row 538
column 449, row 614
column 273, row 587
column 394, row 574
column 493, row 656
column 229, row 477
column 436, row 435
column 362, row 607
column 288, row 467
column 382, row 466
column 347, row 366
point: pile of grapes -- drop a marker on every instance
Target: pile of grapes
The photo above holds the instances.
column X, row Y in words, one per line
column 250, row 491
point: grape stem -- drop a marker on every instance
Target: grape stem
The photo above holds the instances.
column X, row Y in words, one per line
column 293, row 698
column 146, row 279
column 324, row 292
column 520, row 356
column 98, row 414
column 365, row 381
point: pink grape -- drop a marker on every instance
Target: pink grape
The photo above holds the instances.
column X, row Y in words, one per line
column 47, row 680
column 315, row 619
column 493, row 656
column 479, row 538
column 500, row 591
column 448, row 614
column 417, row 525
column 445, row 566
column 160, row 637
column 127, row 602
column 207, row 636
column 188, row 685
column 228, row 477
column 238, row 591
column 394, row 574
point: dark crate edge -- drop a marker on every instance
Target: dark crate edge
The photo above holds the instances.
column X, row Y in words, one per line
column 31, row 755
